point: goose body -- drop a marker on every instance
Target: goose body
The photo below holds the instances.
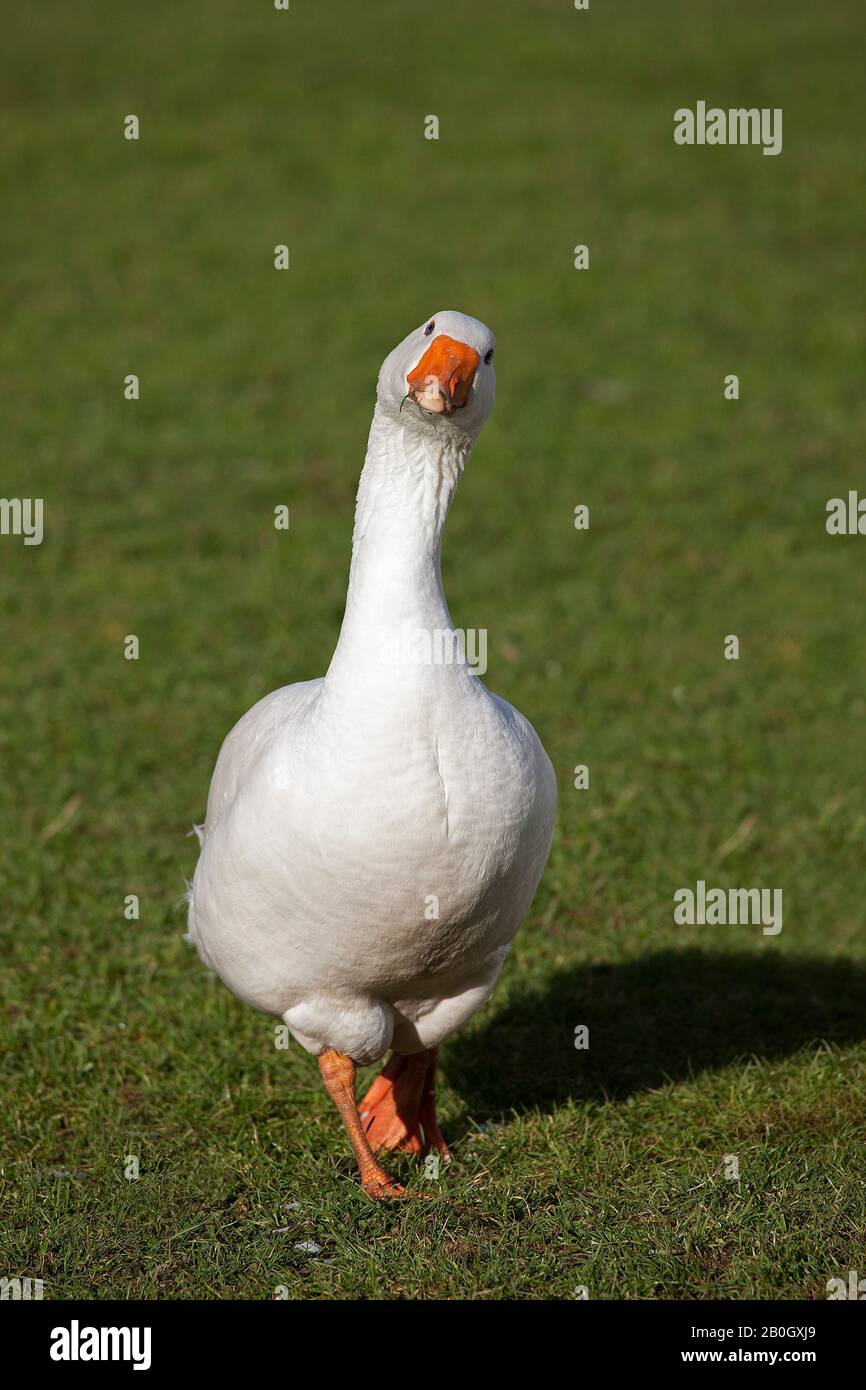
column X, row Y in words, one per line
column 374, row 838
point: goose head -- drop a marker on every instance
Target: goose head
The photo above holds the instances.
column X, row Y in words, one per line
column 443, row 373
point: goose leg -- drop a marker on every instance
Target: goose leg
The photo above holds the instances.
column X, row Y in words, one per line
column 338, row 1074
column 399, row 1110
column 429, row 1119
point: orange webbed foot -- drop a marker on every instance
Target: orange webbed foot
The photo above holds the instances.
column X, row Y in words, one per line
column 399, row 1110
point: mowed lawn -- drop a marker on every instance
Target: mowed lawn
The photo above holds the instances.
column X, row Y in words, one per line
column 601, row 1168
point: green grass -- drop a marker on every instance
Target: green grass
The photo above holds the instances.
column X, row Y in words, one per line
column 599, row 1168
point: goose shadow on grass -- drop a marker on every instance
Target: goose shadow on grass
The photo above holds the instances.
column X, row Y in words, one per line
column 665, row 1017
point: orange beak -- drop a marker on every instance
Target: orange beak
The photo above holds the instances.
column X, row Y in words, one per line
column 443, row 378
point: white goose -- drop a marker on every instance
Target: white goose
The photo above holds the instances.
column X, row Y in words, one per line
column 374, row 838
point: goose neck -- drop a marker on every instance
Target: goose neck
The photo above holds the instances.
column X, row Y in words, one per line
column 395, row 582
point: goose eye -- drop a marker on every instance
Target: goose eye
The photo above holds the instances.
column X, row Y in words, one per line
column 429, row 329
column 488, row 356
